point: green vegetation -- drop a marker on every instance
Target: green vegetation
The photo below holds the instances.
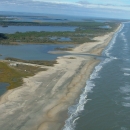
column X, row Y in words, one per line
column 85, row 32
column 71, row 58
column 2, row 36
column 64, row 49
column 14, row 74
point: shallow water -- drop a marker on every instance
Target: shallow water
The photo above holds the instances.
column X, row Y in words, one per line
column 105, row 101
column 3, row 88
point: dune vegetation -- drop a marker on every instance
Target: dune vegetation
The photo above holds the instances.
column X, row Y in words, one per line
column 14, row 74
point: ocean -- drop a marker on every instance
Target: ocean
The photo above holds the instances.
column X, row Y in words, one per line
column 105, row 101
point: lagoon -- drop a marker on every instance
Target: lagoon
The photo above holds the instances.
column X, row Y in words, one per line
column 14, row 29
column 31, row 51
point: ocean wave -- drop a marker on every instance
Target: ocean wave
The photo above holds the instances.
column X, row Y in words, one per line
column 126, row 74
column 75, row 110
column 125, row 89
column 126, row 69
column 112, row 42
column 126, row 104
column 122, row 34
column 127, row 59
column 123, row 37
column 127, row 98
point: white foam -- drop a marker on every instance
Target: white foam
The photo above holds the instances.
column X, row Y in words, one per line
column 75, row 119
column 126, row 104
column 95, row 73
column 126, row 74
column 98, row 68
column 110, row 46
column 126, row 69
column 107, row 60
column 75, row 110
column 122, row 34
column 125, row 89
column 127, row 98
column 123, row 37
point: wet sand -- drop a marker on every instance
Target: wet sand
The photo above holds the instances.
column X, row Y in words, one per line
column 42, row 102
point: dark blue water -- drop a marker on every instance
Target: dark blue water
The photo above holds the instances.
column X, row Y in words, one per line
column 31, row 51
column 14, row 29
column 3, row 88
column 105, row 101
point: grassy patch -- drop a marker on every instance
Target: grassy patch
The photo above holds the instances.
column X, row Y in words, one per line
column 64, row 49
column 14, row 75
column 71, row 58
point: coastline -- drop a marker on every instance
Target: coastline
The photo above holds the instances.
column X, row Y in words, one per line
column 42, row 102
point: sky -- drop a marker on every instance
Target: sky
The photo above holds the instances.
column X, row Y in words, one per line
column 91, row 8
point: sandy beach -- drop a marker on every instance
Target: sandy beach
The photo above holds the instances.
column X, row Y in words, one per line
column 42, row 102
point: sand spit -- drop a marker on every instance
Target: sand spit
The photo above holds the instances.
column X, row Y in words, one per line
column 42, row 102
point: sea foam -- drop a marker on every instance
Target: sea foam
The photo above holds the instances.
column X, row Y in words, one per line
column 126, row 74
column 125, row 89
column 126, row 104
column 126, row 69
column 110, row 46
column 123, row 37
column 127, row 98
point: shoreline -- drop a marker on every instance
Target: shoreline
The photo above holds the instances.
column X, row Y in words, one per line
column 42, row 102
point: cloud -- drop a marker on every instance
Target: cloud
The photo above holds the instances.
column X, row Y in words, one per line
column 58, row 3
column 64, row 7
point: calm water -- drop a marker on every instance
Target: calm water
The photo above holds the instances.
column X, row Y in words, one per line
column 30, row 51
column 105, row 101
column 3, row 88
column 14, row 29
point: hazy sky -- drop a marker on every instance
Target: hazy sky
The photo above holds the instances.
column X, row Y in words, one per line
column 98, row 8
